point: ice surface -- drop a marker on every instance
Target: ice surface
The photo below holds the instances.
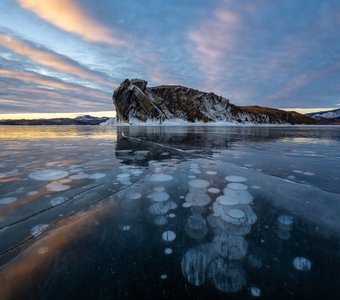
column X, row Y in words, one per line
column 235, row 204
column 48, row 174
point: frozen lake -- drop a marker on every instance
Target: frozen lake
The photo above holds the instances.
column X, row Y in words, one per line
column 169, row 212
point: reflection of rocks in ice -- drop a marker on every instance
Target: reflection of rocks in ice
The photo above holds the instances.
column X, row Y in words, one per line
column 57, row 201
column 161, row 177
column 235, row 178
column 38, row 229
column 8, row 200
column 168, row 251
column 168, row 236
column 159, row 196
column 57, row 187
column 196, row 227
column 302, row 263
column 194, row 265
column 214, row 190
column 285, row 222
column 242, row 196
column 197, row 199
column 226, row 276
column 97, row 175
column 232, row 247
column 160, row 220
column 78, row 176
column 198, row 183
column 255, row 291
column 48, row 174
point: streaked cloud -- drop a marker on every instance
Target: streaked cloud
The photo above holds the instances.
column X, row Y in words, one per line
column 50, row 59
column 70, row 16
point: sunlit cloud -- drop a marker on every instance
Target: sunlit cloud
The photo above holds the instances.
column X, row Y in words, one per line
column 50, row 59
column 70, row 16
column 211, row 40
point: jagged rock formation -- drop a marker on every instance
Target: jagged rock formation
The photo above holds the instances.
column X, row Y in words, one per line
column 134, row 100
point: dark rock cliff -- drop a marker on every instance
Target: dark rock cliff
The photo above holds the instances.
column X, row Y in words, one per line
column 135, row 101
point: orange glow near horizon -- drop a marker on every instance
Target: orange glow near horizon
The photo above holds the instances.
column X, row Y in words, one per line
column 32, row 116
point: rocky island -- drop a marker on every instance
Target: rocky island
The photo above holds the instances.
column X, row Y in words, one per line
column 134, row 100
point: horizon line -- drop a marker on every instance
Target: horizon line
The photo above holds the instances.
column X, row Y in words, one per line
column 112, row 113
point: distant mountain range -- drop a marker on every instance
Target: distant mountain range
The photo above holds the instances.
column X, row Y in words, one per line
column 80, row 120
column 330, row 116
column 135, row 102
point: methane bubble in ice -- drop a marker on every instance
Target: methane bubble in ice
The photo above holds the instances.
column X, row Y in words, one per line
column 42, row 250
column 164, row 276
column 172, row 215
column 168, row 236
column 31, row 193
column 308, row 173
column 255, row 291
column 126, row 227
column 57, row 187
column 226, row 276
column 230, row 246
column 227, row 200
column 285, row 222
column 198, row 183
column 211, row 172
column 235, row 178
column 302, row 263
column 37, row 229
column 243, row 197
column 97, row 175
column 196, row 227
column 194, row 265
column 168, row 251
column 8, row 200
column 160, row 220
column 297, row 171
column 214, row 190
column 159, row 196
column 158, row 208
column 186, row 204
column 78, row 176
column 57, row 201
column 159, row 189
column 48, row 174
column 161, row 177
column 197, row 199
column 133, row 195
column 237, row 186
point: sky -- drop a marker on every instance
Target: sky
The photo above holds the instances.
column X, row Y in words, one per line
column 69, row 55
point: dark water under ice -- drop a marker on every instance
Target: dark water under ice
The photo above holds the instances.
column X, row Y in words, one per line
column 169, row 212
